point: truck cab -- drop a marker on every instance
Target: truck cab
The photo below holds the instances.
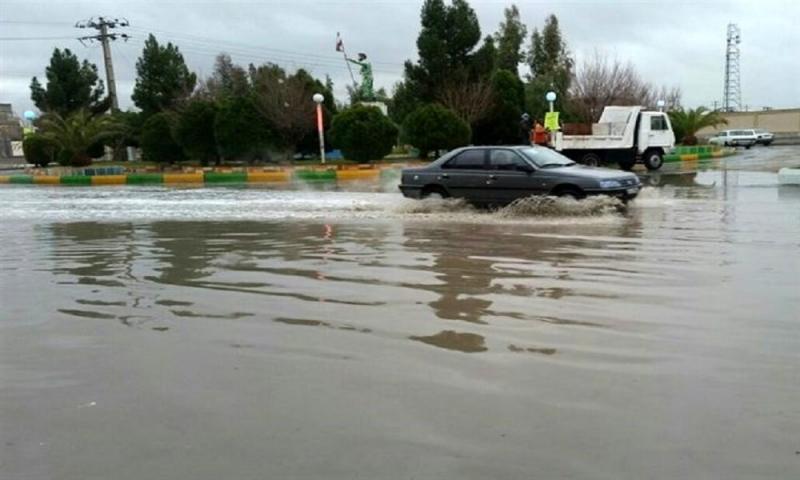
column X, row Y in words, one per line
column 625, row 135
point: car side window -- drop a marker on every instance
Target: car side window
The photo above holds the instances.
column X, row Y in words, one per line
column 658, row 123
column 505, row 160
column 467, row 160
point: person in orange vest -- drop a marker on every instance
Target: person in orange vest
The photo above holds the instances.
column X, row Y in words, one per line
column 539, row 134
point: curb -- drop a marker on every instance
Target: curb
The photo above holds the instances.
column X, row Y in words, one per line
column 214, row 178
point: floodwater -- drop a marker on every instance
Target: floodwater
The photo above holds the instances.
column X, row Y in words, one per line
column 341, row 333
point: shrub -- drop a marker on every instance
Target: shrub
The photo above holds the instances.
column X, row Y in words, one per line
column 157, row 142
column 434, row 127
column 38, row 150
column 194, row 130
column 363, row 133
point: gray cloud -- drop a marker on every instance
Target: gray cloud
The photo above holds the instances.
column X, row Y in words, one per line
column 670, row 43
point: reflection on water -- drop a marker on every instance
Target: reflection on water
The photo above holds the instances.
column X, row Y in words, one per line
column 450, row 340
column 340, row 323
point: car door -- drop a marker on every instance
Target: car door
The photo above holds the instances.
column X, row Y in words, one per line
column 509, row 177
column 465, row 175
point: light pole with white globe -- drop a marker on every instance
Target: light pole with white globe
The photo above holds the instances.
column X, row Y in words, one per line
column 318, row 99
column 550, row 97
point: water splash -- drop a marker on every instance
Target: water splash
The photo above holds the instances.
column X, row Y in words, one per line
column 434, row 205
column 546, row 206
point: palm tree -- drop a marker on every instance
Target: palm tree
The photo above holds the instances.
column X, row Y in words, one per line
column 686, row 123
column 76, row 135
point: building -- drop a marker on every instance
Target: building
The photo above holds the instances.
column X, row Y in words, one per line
column 10, row 130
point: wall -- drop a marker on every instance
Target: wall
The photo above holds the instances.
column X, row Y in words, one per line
column 776, row 121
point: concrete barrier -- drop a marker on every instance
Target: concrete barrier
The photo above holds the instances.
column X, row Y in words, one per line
column 789, row 176
column 269, row 177
column 183, row 177
column 109, row 180
column 47, row 179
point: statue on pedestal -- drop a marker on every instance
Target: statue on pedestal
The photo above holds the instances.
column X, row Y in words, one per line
column 366, row 88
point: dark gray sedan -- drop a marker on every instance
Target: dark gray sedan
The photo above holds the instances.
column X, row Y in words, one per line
column 500, row 175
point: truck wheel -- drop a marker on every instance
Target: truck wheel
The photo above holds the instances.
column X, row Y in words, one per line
column 627, row 164
column 653, row 159
column 590, row 159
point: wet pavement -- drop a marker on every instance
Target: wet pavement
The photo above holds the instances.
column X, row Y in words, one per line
column 345, row 332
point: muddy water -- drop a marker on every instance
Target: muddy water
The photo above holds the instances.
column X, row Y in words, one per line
column 254, row 333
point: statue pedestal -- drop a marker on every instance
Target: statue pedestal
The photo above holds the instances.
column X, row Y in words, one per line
column 379, row 105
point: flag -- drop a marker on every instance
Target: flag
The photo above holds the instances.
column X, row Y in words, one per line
column 339, row 44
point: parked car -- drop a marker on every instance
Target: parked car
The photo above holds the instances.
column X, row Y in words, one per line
column 735, row 138
column 763, row 137
column 489, row 176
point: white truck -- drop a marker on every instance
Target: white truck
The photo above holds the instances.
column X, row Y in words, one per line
column 625, row 135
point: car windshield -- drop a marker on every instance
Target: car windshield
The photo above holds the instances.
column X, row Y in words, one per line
column 546, row 158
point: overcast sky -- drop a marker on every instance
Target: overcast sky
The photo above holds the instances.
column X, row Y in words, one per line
column 673, row 43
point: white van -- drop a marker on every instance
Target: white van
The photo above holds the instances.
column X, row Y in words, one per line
column 735, row 138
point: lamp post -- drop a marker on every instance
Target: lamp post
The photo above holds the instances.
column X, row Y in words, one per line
column 550, row 97
column 318, row 99
column 660, row 104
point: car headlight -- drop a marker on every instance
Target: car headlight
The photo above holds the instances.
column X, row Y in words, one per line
column 610, row 184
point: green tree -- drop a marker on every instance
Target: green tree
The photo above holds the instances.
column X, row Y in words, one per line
column 227, row 80
column 157, row 141
column 285, row 103
column 240, row 129
column 500, row 126
column 71, row 85
column 686, row 123
column 132, row 123
column 434, row 127
column 194, row 130
column 363, row 133
column 38, row 150
column 163, row 79
column 445, row 47
column 509, row 40
column 551, row 68
column 77, row 135
column 405, row 99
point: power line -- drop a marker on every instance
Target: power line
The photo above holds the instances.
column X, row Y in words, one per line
column 13, row 39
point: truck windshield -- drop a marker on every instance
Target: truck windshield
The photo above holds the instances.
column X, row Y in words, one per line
column 544, row 158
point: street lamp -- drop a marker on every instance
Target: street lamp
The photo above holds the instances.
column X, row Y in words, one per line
column 318, row 99
column 550, row 97
column 660, row 104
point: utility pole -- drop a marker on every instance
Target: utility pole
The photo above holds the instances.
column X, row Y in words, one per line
column 103, row 25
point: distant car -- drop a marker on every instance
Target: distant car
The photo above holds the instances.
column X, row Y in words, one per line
column 763, row 137
column 489, row 176
column 735, row 138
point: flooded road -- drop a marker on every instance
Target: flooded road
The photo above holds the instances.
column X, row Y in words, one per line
column 243, row 333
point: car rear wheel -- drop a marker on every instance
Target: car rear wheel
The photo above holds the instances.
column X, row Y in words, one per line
column 434, row 191
column 653, row 159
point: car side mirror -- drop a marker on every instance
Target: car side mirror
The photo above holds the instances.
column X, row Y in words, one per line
column 526, row 168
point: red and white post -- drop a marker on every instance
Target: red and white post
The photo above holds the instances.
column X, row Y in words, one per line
column 318, row 99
